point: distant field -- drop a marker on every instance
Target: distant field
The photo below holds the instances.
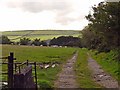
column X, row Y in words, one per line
column 42, row 34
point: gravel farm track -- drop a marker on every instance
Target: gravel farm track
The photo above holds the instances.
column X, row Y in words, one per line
column 100, row 76
column 67, row 77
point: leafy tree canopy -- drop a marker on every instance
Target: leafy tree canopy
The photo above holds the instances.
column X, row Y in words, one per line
column 24, row 41
column 4, row 40
column 105, row 21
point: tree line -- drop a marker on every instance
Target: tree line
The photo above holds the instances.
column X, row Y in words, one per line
column 22, row 41
column 60, row 41
column 103, row 30
column 66, row 41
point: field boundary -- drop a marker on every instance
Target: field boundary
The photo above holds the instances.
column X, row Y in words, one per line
column 14, row 75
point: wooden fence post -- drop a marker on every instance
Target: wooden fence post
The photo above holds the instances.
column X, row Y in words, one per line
column 35, row 74
column 27, row 62
column 10, row 70
column 15, row 67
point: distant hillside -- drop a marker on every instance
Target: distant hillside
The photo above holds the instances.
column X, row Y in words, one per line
column 42, row 34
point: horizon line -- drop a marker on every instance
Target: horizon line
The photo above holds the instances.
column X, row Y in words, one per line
column 41, row 30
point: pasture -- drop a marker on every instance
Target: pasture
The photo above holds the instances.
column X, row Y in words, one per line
column 37, row 53
column 40, row 54
column 42, row 34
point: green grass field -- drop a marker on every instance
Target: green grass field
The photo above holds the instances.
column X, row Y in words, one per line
column 42, row 34
column 40, row 54
column 36, row 53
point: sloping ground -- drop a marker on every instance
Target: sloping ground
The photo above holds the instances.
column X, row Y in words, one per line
column 42, row 34
column 100, row 76
column 67, row 78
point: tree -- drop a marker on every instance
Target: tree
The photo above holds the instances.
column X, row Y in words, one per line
column 25, row 41
column 66, row 41
column 90, row 39
column 4, row 40
column 36, row 42
column 105, row 21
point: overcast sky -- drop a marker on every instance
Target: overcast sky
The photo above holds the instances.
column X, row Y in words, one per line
column 44, row 14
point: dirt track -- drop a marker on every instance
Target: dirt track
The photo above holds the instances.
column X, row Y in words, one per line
column 100, row 76
column 67, row 78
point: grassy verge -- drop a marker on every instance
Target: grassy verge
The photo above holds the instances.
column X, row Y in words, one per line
column 108, row 62
column 83, row 73
column 46, row 77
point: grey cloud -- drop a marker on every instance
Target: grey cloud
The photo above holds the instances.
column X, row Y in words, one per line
column 62, row 8
column 65, row 20
column 38, row 6
column 33, row 7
